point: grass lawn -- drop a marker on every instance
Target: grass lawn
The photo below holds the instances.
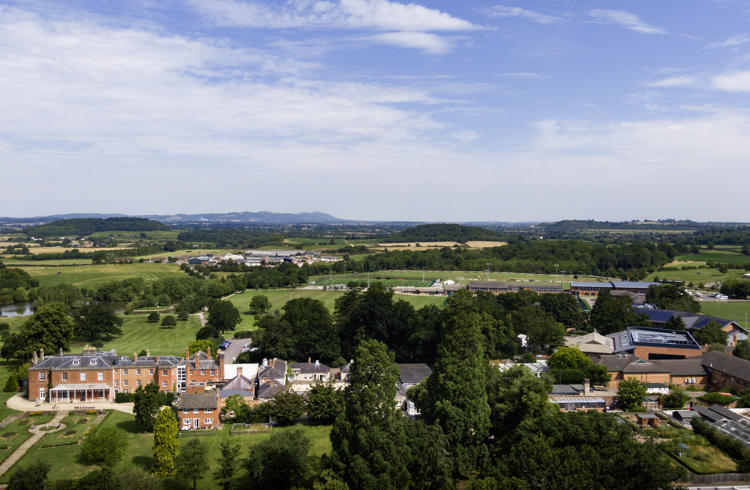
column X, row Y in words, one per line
column 721, row 256
column 16, row 433
column 138, row 334
column 76, row 425
column 738, row 311
column 701, row 457
column 65, row 464
column 56, row 263
column 279, row 297
column 92, row 276
column 697, row 276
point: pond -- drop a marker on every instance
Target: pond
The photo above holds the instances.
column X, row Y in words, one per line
column 17, row 309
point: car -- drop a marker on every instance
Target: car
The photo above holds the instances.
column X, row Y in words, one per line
column 186, row 427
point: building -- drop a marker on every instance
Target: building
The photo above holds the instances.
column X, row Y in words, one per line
column 96, row 376
column 726, row 370
column 198, row 410
column 571, row 398
column 592, row 344
column 271, row 379
column 695, row 321
column 726, row 421
column 655, row 343
column 248, row 370
column 239, row 385
column 679, row 372
column 199, row 370
column 592, row 289
column 411, row 375
column 537, row 368
column 306, row 374
column 498, row 287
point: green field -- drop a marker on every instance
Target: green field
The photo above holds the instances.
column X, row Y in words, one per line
column 138, row 235
column 701, row 457
column 738, row 311
column 91, row 276
column 279, row 297
column 697, row 276
column 722, row 256
column 65, row 465
column 138, row 334
column 17, row 432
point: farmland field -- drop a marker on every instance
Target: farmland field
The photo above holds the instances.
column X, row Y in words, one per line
column 95, row 275
column 719, row 256
column 697, row 276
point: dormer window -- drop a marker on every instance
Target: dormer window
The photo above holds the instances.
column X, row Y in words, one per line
column 76, row 362
column 93, row 362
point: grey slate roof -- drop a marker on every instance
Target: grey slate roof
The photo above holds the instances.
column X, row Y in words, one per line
column 239, row 385
column 587, row 284
column 692, row 366
column 200, row 401
column 726, row 413
column 310, row 367
column 629, row 363
column 268, row 390
column 734, row 366
column 707, row 413
column 414, row 373
column 574, row 389
column 103, row 360
column 629, row 338
column 277, row 371
column 203, row 361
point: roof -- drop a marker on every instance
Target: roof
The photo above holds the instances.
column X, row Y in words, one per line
column 414, row 373
column 734, row 366
column 633, row 284
column 573, row 389
column 488, row 284
column 310, row 367
column 707, row 413
column 200, row 401
column 725, row 412
column 239, row 385
column 585, row 284
column 275, row 369
column 269, row 389
column 203, row 361
column 82, row 386
column 644, row 366
column 692, row 366
column 576, row 399
column 691, row 320
column 99, row 360
column 631, row 337
column 249, row 370
column 592, row 342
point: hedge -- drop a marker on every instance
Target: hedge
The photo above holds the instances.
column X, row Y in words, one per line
column 733, row 447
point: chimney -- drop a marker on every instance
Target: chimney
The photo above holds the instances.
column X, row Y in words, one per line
column 221, row 366
column 157, row 360
column 209, row 352
column 586, row 387
column 309, row 360
column 317, row 363
column 41, row 354
column 34, row 360
column 187, row 353
column 148, row 352
column 135, row 356
column 60, row 352
column 265, row 361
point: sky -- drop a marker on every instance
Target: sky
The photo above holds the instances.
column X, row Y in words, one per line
column 377, row 109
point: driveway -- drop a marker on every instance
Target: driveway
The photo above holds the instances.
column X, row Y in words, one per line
column 235, row 348
column 18, row 402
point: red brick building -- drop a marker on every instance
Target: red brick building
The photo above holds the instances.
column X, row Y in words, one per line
column 199, row 410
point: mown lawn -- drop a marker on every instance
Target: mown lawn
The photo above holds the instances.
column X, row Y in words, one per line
column 76, row 425
column 92, row 276
column 16, row 433
column 739, row 311
column 138, row 334
column 65, row 464
column 697, row 276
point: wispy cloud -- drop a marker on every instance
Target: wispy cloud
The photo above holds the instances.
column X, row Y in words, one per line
column 339, row 14
column 507, row 11
column 678, row 81
column 732, row 81
column 624, row 19
column 732, row 41
column 425, row 41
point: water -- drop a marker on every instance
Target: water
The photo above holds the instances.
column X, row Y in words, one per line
column 18, row 309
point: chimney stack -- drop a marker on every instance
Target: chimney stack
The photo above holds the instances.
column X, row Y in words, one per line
column 157, row 360
column 60, row 352
column 209, row 352
column 148, row 352
column 34, row 360
column 135, row 356
column 187, row 353
column 317, row 363
column 586, row 387
column 41, row 354
column 221, row 366
column 309, row 360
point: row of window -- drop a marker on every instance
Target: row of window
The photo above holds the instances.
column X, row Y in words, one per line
column 138, row 383
column 196, row 410
column 100, row 375
column 203, row 372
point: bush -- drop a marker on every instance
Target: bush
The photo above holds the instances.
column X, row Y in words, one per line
column 11, row 385
column 676, row 398
column 243, row 334
column 183, row 316
column 728, row 444
column 123, row 397
column 153, row 317
column 169, row 321
column 717, row 398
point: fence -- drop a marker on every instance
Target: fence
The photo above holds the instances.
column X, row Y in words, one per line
column 249, row 429
column 720, row 478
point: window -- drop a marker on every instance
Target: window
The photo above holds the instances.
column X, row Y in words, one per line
column 163, row 372
column 125, row 372
column 186, row 411
column 138, row 382
column 151, row 371
column 115, row 382
column 124, row 382
column 164, row 384
column 212, row 372
column 76, row 362
column 41, row 375
column 203, row 372
column 208, row 421
column 125, row 390
column 195, row 410
column 92, row 362
column 138, row 372
column 64, row 376
column 100, row 376
column 83, row 376
column 207, row 410
column 41, row 394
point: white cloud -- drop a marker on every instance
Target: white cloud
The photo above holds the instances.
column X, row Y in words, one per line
column 624, row 19
column 465, row 136
column 732, row 41
column 425, row 41
column 733, row 81
column 523, row 75
column 505, row 11
column 340, row 14
column 678, row 81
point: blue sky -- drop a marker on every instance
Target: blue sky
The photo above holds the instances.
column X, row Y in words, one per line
column 377, row 109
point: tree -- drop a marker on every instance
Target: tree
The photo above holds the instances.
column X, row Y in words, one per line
column 146, row 406
column 570, row 365
column 260, row 304
column 183, row 316
column 165, row 443
column 228, row 462
column 31, row 477
column 514, row 396
column 671, row 297
column 676, row 398
column 153, row 317
column 49, row 328
column 202, row 345
column 102, row 479
column 286, row 407
column 568, row 358
column 631, row 393
column 11, row 386
column 169, row 321
column 369, row 444
column 710, row 333
column 455, row 395
column 610, row 315
column 281, row 461
column 543, row 332
column 564, row 308
column 743, row 349
column 105, row 447
column 324, row 403
column 223, row 316
column 192, row 462
column 94, row 320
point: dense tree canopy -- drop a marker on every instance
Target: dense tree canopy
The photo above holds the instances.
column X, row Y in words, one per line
column 49, row 328
column 672, row 297
column 92, row 321
column 612, row 314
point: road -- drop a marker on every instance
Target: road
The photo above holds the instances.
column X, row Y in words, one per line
column 234, row 350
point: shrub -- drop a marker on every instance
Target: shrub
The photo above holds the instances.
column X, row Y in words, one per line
column 123, row 397
column 11, row 385
column 717, row 398
column 153, row 317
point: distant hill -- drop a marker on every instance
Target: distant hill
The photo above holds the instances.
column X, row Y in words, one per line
column 261, row 217
column 443, row 232
column 86, row 226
